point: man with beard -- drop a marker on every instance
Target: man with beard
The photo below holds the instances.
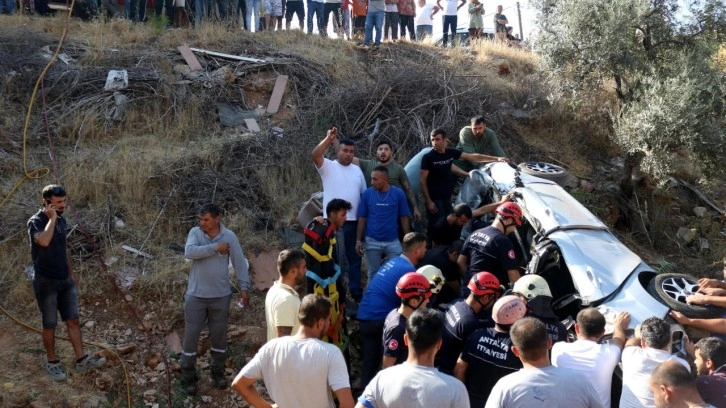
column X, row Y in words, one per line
column 210, row 247
column 54, row 284
column 489, row 249
column 396, row 173
column 282, row 301
column 673, row 387
column 341, row 180
column 477, row 138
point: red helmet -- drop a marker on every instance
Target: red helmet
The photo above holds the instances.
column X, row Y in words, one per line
column 484, row 283
column 510, row 210
column 413, row 284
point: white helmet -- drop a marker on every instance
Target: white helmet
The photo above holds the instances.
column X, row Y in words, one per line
column 531, row 286
column 434, row 276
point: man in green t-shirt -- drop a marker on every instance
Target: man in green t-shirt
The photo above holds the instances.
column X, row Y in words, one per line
column 477, row 138
column 396, row 173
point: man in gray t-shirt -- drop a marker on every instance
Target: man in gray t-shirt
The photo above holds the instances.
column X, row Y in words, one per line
column 539, row 384
column 417, row 383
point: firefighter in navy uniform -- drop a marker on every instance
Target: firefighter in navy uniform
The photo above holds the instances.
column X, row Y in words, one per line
column 328, row 268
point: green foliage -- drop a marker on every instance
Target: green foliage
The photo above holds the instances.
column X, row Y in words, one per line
column 671, row 94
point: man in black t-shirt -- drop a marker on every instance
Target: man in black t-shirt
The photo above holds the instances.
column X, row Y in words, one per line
column 489, row 249
column 448, row 229
column 54, row 284
column 414, row 290
column 444, row 258
column 466, row 316
column 487, row 355
column 435, row 179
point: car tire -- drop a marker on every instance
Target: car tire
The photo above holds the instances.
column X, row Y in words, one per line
column 671, row 289
column 544, row 170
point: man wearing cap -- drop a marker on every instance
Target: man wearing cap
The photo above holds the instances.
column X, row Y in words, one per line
column 534, row 290
column 489, row 249
column 465, row 316
column 487, row 356
column 414, row 290
column 416, row 383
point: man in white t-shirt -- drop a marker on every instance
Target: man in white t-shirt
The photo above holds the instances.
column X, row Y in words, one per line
column 282, row 301
column 539, row 384
column 341, row 179
column 650, row 347
column 416, row 382
column 593, row 361
column 451, row 10
column 299, row 371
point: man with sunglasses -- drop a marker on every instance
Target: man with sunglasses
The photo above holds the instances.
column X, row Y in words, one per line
column 54, row 284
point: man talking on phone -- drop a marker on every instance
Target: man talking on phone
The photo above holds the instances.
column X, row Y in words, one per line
column 54, row 284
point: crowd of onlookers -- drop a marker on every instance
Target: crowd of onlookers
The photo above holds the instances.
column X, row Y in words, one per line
column 350, row 19
column 446, row 318
column 447, row 322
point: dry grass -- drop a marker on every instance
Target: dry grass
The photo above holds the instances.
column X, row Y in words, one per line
column 170, row 154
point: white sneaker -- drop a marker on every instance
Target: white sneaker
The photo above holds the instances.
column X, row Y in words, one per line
column 55, row 371
column 89, row 362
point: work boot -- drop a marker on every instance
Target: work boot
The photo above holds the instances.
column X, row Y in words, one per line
column 189, row 380
column 219, row 380
column 216, row 367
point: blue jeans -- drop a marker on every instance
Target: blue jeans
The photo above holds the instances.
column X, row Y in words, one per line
column 316, row 8
column 374, row 18
column 7, row 6
column 354, row 260
column 423, row 31
column 252, row 14
column 53, row 296
column 449, row 25
column 377, row 250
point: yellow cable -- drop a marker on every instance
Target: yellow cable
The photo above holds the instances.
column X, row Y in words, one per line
column 42, row 172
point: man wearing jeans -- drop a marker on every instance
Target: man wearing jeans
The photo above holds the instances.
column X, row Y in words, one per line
column 316, row 8
column 341, row 179
column 252, row 14
column 451, row 9
column 54, row 283
column 210, row 247
column 374, row 17
column 379, row 212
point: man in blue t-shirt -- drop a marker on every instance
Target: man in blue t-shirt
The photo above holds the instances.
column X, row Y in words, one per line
column 380, row 298
column 381, row 208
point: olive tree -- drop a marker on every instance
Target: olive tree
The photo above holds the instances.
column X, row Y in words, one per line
column 659, row 57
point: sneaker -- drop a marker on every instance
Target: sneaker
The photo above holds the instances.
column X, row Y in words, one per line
column 89, row 362
column 55, row 371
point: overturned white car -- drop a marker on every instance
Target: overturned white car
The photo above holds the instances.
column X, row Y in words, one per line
column 582, row 261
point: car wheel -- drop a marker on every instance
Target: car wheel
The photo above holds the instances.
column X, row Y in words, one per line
column 544, row 170
column 672, row 289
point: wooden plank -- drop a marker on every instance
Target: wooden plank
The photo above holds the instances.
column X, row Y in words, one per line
column 55, row 6
column 227, row 56
column 277, row 92
column 189, row 57
column 252, row 125
column 136, row 251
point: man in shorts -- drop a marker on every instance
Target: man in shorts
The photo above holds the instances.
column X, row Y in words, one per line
column 54, row 284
